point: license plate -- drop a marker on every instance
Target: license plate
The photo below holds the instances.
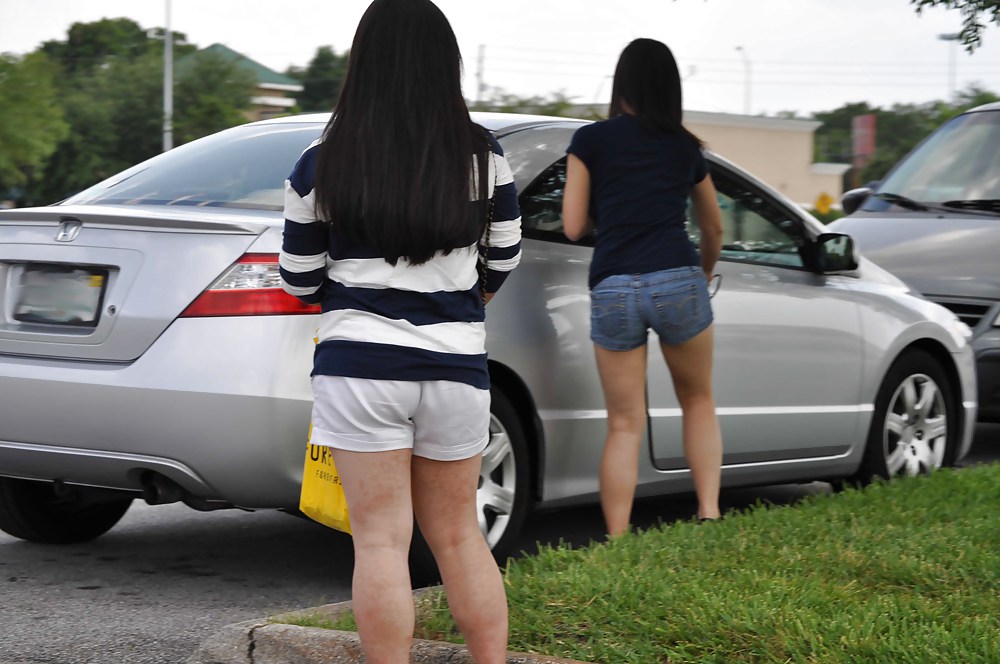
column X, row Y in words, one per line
column 60, row 295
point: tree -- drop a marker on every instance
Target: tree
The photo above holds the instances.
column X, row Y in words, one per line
column 31, row 122
column 110, row 89
column 972, row 11
column 92, row 45
column 211, row 94
column 321, row 80
column 501, row 101
column 898, row 129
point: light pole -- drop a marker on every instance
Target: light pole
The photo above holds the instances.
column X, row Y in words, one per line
column 746, row 82
column 168, row 84
column 952, row 37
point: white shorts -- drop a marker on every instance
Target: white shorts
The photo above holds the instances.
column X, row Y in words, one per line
column 439, row 419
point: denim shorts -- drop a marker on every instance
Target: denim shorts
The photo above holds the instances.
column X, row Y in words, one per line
column 674, row 303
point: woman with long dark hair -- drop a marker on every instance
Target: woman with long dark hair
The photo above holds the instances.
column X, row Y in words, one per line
column 389, row 226
column 630, row 177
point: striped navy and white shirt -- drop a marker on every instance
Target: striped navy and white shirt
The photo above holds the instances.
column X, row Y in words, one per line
column 403, row 322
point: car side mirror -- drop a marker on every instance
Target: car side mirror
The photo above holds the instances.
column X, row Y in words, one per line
column 835, row 252
column 854, row 199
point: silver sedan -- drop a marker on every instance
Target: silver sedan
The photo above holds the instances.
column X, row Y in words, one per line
column 147, row 350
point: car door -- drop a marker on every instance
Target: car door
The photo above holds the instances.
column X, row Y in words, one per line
column 787, row 364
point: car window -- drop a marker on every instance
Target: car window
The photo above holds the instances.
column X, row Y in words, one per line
column 541, row 206
column 960, row 161
column 755, row 228
column 243, row 167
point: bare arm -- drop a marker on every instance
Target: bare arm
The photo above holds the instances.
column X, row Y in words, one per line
column 576, row 200
column 709, row 220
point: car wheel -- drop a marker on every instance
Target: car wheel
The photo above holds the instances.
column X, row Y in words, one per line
column 915, row 425
column 502, row 500
column 504, row 480
column 37, row 512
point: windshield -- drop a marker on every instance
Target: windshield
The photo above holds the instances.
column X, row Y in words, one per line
column 959, row 162
column 244, row 167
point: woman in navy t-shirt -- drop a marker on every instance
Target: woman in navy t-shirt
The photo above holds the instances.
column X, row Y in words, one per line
column 629, row 178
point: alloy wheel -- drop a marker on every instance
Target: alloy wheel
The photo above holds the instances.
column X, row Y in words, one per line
column 497, row 484
column 915, row 435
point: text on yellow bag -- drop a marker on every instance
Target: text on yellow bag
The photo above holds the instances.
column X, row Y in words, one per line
column 322, row 496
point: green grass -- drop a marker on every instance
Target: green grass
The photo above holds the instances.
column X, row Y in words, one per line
column 905, row 571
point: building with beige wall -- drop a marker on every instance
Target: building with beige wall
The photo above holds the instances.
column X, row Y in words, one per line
column 274, row 93
column 778, row 151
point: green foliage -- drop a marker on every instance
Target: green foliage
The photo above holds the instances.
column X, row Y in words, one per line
column 903, row 572
column 974, row 12
column 898, row 130
column 321, row 80
column 501, row 101
column 91, row 45
column 110, row 91
column 31, row 122
column 211, row 93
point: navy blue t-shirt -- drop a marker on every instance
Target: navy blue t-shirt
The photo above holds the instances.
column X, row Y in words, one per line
column 640, row 180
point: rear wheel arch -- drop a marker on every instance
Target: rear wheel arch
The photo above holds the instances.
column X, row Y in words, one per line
column 504, row 378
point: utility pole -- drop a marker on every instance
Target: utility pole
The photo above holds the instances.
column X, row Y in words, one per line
column 168, row 84
column 480, row 65
column 746, row 82
column 953, row 38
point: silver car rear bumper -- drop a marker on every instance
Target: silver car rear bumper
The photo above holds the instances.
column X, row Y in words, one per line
column 228, row 396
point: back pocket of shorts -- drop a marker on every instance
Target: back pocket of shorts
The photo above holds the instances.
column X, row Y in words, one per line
column 607, row 313
column 675, row 308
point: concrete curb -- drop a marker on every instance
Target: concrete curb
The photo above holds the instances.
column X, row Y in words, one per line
column 268, row 642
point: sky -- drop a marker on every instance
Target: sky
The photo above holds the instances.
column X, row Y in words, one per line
column 735, row 56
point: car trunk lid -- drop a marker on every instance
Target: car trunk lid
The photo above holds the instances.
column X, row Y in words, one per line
column 101, row 283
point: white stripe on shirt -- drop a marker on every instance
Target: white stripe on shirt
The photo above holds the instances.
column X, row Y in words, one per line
column 300, row 210
column 353, row 325
column 454, row 272
column 294, row 263
column 504, row 233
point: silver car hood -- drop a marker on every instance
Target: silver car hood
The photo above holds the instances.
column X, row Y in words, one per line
column 939, row 255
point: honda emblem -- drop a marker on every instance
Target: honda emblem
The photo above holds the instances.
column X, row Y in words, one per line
column 68, row 230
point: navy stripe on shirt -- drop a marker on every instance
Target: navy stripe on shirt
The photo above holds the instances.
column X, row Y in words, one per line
column 415, row 307
column 358, row 359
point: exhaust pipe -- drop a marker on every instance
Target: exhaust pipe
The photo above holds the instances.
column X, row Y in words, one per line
column 158, row 490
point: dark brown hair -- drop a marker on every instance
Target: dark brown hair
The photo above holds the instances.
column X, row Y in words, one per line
column 393, row 172
column 648, row 81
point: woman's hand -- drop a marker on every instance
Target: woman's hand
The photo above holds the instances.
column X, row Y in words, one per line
column 708, row 216
column 577, row 222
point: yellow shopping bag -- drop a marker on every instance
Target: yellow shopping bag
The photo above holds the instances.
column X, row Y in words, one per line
column 322, row 496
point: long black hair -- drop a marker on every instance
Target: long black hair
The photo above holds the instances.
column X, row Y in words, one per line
column 394, row 169
column 648, row 81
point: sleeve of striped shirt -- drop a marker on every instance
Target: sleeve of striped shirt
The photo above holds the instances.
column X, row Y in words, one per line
column 504, row 251
column 302, row 262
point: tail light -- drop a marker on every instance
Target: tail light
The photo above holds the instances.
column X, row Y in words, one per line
column 251, row 287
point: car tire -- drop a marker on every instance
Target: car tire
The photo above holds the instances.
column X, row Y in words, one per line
column 37, row 512
column 503, row 498
column 915, row 426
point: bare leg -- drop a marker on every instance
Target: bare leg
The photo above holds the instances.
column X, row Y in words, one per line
column 377, row 486
column 444, row 501
column 690, row 365
column 623, row 377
